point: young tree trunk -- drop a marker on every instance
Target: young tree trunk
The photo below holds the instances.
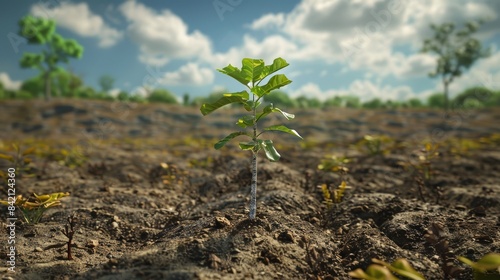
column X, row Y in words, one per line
column 446, row 98
column 47, row 85
column 253, row 187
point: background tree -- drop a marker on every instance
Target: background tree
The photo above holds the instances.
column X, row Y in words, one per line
column 280, row 99
column 415, row 103
column 2, row 91
column 185, row 99
column 474, row 97
column 106, row 82
column 335, row 101
column 374, row 103
column 436, row 100
column 351, row 101
column 457, row 50
column 65, row 83
column 41, row 31
column 162, row 96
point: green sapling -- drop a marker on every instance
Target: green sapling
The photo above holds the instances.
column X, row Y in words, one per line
column 251, row 74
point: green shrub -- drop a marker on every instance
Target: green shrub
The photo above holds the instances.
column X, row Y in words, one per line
column 162, row 96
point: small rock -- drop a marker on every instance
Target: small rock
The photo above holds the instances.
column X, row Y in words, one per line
column 38, row 249
column 92, row 243
column 479, row 211
column 153, row 205
column 116, row 219
column 287, row 237
column 315, row 220
column 214, row 261
column 222, row 222
column 114, row 225
column 357, row 210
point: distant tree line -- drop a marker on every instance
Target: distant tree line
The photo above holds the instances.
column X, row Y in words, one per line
column 65, row 84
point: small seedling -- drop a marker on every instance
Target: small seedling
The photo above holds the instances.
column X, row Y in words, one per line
column 487, row 268
column 20, row 160
column 383, row 271
column 251, row 74
column 426, row 156
column 334, row 164
column 69, row 231
column 33, row 210
column 436, row 236
column 330, row 197
column 375, row 145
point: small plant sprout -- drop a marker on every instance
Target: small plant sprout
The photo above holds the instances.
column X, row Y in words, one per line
column 33, row 210
column 383, row 271
column 251, row 74
column 488, row 267
column 69, row 231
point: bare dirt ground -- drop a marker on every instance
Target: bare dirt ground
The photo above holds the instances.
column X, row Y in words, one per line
column 154, row 200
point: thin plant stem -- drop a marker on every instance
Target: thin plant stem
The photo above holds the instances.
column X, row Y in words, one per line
column 253, row 187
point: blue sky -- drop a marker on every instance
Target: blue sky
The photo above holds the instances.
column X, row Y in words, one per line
column 364, row 48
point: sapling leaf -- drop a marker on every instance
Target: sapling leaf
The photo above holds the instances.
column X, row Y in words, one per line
column 283, row 128
column 252, row 68
column 236, row 74
column 250, row 104
column 247, row 145
column 275, row 82
column 287, row 116
column 228, row 98
column 259, row 91
column 271, row 109
column 278, row 64
column 223, row 142
column 268, row 147
column 245, row 121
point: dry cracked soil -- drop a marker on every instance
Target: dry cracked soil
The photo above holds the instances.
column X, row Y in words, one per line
column 154, row 200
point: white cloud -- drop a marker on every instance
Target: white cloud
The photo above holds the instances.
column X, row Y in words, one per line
column 367, row 34
column 268, row 21
column 162, row 36
column 189, row 74
column 268, row 49
column 114, row 92
column 140, row 91
column 219, row 88
column 364, row 89
column 8, row 83
column 79, row 19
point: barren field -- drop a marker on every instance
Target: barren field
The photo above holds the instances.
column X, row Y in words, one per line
column 154, row 200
